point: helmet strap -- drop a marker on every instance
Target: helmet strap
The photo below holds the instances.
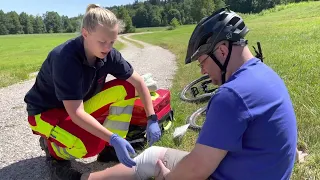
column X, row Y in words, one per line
column 223, row 67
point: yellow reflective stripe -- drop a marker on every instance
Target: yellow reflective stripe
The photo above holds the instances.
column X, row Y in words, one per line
column 63, row 136
column 112, row 94
column 154, row 95
column 120, row 118
column 120, row 110
column 117, row 125
column 79, row 149
column 121, row 133
column 124, row 103
column 75, row 148
column 42, row 126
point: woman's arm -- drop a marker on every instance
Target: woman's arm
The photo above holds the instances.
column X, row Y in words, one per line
column 81, row 118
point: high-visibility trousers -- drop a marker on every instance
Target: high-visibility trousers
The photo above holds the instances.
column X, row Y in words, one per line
column 112, row 107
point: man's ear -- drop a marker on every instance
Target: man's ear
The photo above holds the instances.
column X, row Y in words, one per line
column 224, row 49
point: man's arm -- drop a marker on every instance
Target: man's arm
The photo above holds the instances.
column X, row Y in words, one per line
column 222, row 131
column 143, row 91
column 200, row 163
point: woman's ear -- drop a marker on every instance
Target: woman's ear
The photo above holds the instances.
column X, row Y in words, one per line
column 84, row 33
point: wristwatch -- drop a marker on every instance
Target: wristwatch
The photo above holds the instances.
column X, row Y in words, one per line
column 153, row 117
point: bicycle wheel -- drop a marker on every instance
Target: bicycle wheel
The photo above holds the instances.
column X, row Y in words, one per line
column 197, row 95
column 197, row 118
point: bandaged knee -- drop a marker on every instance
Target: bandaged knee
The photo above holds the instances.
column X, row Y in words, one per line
column 146, row 162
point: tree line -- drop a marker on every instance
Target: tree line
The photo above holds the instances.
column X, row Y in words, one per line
column 141, row 13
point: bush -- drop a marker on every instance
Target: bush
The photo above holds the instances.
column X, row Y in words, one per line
column 174, row 23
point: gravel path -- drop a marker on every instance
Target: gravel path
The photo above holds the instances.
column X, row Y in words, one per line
column 20, row 154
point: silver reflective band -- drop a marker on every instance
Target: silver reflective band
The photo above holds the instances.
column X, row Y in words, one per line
column 121, row 110
column 124, row 126
column 64, row 150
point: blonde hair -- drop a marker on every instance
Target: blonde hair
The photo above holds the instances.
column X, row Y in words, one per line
column 96, row 15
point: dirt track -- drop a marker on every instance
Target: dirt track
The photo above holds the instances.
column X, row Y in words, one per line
column 20, row 154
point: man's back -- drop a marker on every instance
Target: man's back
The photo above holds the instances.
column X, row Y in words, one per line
column 252, row 117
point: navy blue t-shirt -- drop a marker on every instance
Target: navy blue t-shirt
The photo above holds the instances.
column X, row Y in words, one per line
column 66, row 75
column 252, row 117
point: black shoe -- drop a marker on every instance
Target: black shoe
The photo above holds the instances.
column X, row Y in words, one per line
column 44, row 147
column 62, row 170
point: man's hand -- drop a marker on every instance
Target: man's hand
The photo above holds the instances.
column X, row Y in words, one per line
column 161, row 171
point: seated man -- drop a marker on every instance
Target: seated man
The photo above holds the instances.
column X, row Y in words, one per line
column 250, row 128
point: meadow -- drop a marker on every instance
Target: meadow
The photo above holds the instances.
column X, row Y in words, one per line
column 21, row 55
column 289, row 37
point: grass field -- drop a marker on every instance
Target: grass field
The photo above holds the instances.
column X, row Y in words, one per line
column 290, row 42
column 21, row 55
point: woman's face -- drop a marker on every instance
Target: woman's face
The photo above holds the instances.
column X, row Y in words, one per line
column 101, row 40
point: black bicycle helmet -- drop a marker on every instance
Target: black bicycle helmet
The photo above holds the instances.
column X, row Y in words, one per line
column 223, row 24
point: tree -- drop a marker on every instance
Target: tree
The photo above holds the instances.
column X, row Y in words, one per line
column 155, row 16
column 66, row 25
column 26, row 23
column 53, row 22
column 174, row 13
column 3, row 23
column 202, row 8
column 123, row 14
column 14, row 25
column 39, row 26
column 141, row 17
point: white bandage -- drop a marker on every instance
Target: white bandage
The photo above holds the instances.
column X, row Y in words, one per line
column 146, row 162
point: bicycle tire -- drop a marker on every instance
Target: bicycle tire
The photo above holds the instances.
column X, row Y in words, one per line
column 192, row 119
column 201, row 98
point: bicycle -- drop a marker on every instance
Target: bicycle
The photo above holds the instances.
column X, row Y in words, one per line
column 204, row 82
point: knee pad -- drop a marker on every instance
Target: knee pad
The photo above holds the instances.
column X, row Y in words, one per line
column 146, row 162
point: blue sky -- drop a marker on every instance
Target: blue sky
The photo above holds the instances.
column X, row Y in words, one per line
column 63, row 7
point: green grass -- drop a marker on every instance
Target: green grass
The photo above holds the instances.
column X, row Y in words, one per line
column 289, row 36
column 21, row 55
column 135, row 43
column 150, row 29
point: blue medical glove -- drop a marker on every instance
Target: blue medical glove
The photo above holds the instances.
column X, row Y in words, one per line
column 122, row 147
column 153, row 131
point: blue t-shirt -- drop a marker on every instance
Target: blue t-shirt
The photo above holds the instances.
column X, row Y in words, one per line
column 252, row 117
